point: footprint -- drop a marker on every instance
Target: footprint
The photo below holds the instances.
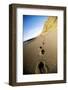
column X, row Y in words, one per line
column 43, row 51
column 40, row 47
column 43, row 43
column 42, row 68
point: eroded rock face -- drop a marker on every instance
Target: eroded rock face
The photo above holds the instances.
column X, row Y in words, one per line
column 40, row 53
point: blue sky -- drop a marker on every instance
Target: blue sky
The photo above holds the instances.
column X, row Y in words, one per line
column 33, row 25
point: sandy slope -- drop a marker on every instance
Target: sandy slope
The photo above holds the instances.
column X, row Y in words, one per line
column 33, row 55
